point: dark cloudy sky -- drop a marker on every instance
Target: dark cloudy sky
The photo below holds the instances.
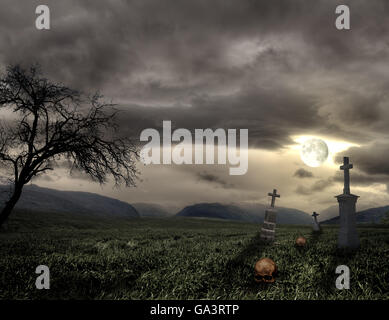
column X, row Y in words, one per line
column 277, row 68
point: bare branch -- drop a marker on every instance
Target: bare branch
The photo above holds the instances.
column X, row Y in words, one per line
column 56, row 121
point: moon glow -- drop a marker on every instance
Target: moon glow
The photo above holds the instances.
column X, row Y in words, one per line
column 314, row 152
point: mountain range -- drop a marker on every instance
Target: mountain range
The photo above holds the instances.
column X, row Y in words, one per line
column 244, row 212
column 152, row 210
column 35, row 198
column 372, row 215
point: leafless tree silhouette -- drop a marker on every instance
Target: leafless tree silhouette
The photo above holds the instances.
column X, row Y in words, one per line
column 55, row 122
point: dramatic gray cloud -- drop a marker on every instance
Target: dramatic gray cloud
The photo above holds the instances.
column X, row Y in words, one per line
column 361, row 179
column 317, row 186
column 209, row 177
column 370, row 164
column 275, row 67
column 302, row 173
column 371, row 159
column 278, row 68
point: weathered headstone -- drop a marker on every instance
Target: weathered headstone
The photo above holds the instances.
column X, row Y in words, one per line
column 348, row 236
column 316, row 225
column 269, row 224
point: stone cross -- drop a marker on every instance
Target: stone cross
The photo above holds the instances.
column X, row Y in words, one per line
column 273, row 196
column 348, row 235
column 346, row 167
column 316, row 226
column 269, row 224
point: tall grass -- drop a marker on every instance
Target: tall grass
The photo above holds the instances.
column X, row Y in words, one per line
column 183, row 258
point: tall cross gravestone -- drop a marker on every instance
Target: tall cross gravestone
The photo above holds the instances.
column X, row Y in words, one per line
column 269, row 224
column 348, row 236
column 316, row 225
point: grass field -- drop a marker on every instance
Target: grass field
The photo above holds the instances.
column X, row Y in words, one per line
column 182, row 259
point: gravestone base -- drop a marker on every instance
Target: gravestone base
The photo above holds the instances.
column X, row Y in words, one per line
column 316, row 227
column 269, row 225
column 348, row 235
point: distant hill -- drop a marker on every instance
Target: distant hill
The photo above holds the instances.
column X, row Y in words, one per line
column 329, row 213
column 151, row 210
column 284, row 215
column 247, row 213
column 214, row 210
column 35, row 198
column 373, row 215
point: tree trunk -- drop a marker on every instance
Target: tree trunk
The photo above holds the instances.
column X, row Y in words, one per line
column 10, row 204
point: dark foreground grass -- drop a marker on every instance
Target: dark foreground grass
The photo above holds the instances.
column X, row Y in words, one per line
column 182, row 259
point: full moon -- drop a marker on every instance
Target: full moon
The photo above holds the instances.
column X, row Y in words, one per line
column 314, row 152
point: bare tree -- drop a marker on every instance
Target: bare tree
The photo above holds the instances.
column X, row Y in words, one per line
column 53, row 123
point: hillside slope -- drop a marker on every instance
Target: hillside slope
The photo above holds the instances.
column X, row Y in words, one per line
column 372, row 215
column 247, row 213
column 151, row 210
column 35, row 198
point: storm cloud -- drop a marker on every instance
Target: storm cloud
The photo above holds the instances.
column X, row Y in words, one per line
column 317, row 186
column 362, row 179
column 209, row 177
column 371, row 159
column 302, row 173
column 277, row 68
